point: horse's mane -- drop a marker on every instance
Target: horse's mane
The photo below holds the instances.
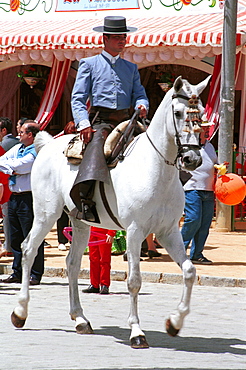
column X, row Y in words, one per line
column 42, row 138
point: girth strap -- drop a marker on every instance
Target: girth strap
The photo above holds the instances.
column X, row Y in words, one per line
column 106, row 205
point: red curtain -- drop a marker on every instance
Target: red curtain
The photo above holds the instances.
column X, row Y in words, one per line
column 9, row 96
column 213, row 103
column 53, row 91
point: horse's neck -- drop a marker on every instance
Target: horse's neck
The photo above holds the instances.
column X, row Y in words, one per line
column 160, row 137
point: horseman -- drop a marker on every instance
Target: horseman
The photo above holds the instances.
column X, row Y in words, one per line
column 113, row 85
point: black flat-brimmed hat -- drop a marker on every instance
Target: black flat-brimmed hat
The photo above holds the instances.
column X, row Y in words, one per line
column 114, row 25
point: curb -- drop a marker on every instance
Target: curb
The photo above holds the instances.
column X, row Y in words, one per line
column 150, row 277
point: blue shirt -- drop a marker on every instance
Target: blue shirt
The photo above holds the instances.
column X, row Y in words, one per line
column 10, row 164
column 115, row 86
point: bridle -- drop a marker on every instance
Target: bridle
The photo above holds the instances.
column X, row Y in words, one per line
column 192, row 116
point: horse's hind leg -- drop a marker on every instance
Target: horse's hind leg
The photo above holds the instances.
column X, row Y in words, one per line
column 29, row 250
column 73, row 261
column 175, row 248
column 137, row 337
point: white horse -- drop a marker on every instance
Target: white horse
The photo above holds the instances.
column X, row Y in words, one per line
column 145, row 196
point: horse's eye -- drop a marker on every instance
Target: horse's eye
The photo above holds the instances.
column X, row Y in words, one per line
column 178, row 114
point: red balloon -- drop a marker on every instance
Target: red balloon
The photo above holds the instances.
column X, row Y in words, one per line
column 230, row 189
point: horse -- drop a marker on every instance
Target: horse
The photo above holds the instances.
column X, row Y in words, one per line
column 144, row 196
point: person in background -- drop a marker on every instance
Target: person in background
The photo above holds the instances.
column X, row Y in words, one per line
column 19, row 123
column 17, row 163
column 7, row 142
column 148, row 248
column 62, row 222
column 199, row 202
column 152, row 243
column 100, row 261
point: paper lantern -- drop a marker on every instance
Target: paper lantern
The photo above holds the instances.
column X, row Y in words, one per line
column 230, row 189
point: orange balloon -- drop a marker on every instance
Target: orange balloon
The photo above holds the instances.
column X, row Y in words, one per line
column 230, row 189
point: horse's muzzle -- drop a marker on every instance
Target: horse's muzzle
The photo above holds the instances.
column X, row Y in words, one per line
column 191, row 159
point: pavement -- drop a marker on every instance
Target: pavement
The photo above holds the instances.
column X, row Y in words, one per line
column 213, row 335
column 227, row 250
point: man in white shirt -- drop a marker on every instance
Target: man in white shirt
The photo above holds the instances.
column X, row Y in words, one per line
column 17, row 163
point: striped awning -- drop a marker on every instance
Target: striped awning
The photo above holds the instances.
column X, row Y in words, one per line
column 170, row 31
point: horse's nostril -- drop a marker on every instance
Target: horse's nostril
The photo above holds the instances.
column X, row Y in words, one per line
column 186, row 159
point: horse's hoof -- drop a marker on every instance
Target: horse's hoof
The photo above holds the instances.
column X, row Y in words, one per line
column 84, row 329
column 171, row 329
column 139, row 342
column 17, row 321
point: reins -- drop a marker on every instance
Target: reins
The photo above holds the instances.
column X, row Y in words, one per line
column 165, row 160
column 177, row 135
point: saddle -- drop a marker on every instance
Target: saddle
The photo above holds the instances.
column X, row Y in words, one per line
column 114, row 146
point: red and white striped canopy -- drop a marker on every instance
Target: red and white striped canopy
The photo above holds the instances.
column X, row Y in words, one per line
column 193, row 30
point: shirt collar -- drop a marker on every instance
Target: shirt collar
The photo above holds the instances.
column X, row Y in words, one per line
column 110, row 57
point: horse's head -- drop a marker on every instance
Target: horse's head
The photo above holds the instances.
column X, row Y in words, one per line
column 187, row 111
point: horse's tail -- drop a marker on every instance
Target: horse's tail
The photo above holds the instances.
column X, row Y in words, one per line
column 42, row 138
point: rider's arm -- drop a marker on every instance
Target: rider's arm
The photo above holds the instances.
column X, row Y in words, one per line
column 80, row 96
column 139, row 97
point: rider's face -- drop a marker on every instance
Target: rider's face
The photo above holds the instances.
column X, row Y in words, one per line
column 114, row 44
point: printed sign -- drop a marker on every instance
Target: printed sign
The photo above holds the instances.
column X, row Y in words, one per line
column 95, row 5
column 57, row 9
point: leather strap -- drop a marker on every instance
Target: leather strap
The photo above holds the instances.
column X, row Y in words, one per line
column 106, row 205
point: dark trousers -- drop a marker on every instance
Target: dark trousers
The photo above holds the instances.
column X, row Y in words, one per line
column 20, row 221
column 62, row 222
column 94, row 165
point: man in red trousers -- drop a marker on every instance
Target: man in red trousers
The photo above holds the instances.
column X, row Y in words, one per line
column 100, row 261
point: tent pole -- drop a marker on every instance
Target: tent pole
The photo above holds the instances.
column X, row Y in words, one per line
column 227, row 95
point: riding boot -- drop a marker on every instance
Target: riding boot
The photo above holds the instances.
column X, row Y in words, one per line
column 82, row 194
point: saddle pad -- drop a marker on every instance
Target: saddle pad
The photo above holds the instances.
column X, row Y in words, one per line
column 74, row 150
column 76, row 147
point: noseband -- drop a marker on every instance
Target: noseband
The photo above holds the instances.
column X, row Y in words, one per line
column 193, row 117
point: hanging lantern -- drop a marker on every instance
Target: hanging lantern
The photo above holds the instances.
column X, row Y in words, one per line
column 165, row 86
column 32, row 81
column 31, row 76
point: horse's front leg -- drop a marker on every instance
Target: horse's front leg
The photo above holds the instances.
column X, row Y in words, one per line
column 73, row 261
column 137, row 337
column 175, row 247
column 175, row 322
column 29, row 251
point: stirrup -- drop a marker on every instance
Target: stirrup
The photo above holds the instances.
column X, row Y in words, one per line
column 76, row 213
column 87, row 202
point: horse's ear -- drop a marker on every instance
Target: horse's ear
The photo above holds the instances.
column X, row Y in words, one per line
column 201, row 86
column 178, row 83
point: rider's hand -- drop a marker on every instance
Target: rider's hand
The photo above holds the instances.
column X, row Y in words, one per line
column 86, row 134
column 143, row 111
